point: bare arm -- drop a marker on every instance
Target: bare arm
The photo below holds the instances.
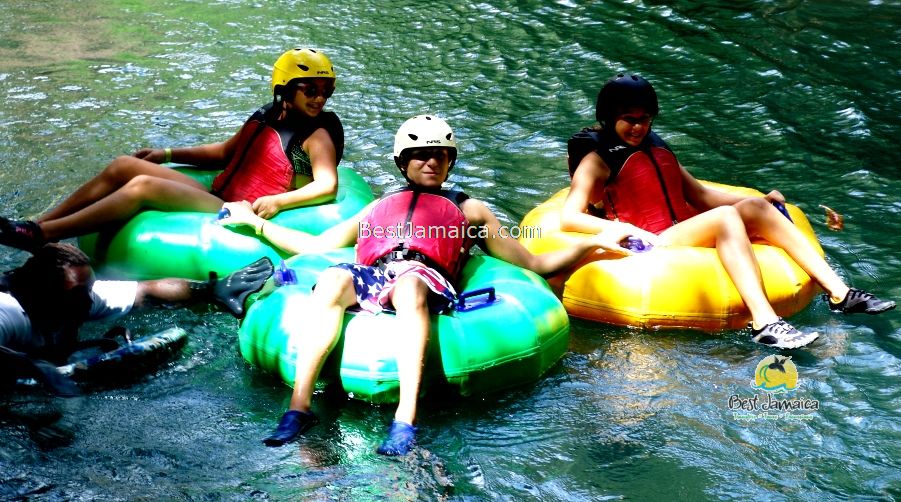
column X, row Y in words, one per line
column 587, row 185
column 209, row 156
column 294, row 241
column 323, row 188
column 504, row 247
column 703, row 198
column 163, row 291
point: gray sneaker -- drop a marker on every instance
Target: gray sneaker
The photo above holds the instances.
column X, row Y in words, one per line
column 858, row 301
column 782, row 335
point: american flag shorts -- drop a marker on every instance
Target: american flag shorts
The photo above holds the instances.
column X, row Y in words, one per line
column 373, row 285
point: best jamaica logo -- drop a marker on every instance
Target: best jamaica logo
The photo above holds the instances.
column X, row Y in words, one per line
column 777, row 376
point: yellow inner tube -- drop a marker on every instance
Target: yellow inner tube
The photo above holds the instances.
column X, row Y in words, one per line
column 667, row 287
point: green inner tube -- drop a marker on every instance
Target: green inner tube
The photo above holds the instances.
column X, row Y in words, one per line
column 157, row 244
column 511, row 341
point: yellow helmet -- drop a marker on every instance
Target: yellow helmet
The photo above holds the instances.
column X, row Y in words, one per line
column 301, row 63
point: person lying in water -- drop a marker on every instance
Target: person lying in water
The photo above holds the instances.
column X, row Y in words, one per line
column 285, row 155
column 414, row 276
column 44, row 302
column 626, row 169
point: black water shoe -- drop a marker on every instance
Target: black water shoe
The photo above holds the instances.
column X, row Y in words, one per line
column 858, row 301
column 19, row 365
column 25, row 235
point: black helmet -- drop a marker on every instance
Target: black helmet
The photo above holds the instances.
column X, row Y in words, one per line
column 624, row 92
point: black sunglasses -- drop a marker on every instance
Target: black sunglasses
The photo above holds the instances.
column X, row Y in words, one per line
column 312, row 90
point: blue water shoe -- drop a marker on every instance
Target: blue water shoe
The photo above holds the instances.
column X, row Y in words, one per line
column 292, row 424
column 857, row 301
column 400, row 440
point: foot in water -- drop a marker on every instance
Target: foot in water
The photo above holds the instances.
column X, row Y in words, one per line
column 859, row 301
column 782, row 335
column 401, row 439
column 292, row 424
column 17, row 365
column 25, row 235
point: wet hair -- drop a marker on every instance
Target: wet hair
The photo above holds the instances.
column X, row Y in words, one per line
column 50, row 264
column 41, row 285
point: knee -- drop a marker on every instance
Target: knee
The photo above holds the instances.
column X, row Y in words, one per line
column 139, row 186
column 332, row 286
column 121, row 170
column 754, row 206
column 755, row 210
column 410, row 293
column 729, row 218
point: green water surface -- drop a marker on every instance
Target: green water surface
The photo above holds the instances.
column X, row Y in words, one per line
column 799, row 96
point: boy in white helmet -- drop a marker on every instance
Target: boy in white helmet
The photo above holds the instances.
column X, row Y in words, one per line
column 409, row 271
column 284, row 156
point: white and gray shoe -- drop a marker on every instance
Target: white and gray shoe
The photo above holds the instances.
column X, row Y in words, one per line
column 782, row 335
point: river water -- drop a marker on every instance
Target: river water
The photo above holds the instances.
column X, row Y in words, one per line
column 799, row 96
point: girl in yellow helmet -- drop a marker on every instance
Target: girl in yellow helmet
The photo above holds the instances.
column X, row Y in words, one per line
column 410, row 272
column 284, row 156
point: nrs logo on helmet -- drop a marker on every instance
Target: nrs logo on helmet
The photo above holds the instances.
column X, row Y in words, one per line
column 298, row 64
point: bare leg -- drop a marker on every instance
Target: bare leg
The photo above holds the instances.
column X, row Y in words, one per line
column 763, row 220
column 119, row 172
column 141, row 192
column 409, row 297
column 722, row 228
column 322, row 321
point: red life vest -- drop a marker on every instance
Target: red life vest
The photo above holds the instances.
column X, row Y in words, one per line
column 412, row 222
column 260, row 166
column 648, row 192
column 645, row 184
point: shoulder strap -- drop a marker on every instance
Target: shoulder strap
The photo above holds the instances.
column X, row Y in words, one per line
column 611, row 149
column 579, row 145
column 260, row 116
column 303, row 127
column 654, row 140
column 455, row 196
column 332, row 125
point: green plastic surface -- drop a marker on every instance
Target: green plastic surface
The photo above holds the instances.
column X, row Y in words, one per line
column 157, row 244
column 509, row 342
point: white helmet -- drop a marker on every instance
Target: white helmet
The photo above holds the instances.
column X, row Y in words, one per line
column 424, row 131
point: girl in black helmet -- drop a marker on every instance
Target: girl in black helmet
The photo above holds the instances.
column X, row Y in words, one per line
column 624, row 167
column 285, row 155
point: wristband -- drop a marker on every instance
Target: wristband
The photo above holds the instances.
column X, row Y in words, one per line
column 168, row 157
column 259, row 229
